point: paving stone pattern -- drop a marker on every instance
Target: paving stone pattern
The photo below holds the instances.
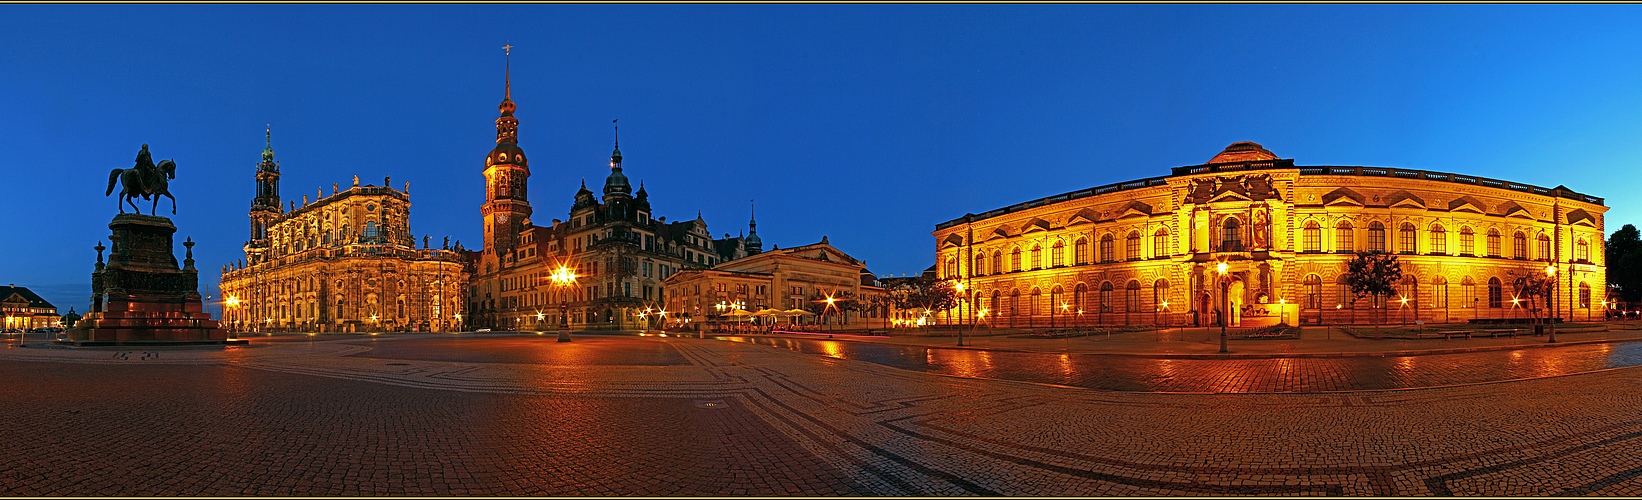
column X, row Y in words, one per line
column 625, row 416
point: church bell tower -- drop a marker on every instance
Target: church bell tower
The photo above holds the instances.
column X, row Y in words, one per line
column 265, row 206
column 507, row 173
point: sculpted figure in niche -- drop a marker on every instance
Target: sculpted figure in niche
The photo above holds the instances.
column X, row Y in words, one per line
column 1260, row 233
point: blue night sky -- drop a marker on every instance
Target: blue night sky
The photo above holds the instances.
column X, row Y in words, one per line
column 865, row 123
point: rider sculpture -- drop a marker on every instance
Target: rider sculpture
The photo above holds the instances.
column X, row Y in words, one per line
column 145, row 179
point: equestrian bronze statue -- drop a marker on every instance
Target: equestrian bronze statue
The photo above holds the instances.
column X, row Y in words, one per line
column 146, row 179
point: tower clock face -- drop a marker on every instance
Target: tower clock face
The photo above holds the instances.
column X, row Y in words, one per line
column 502, row 218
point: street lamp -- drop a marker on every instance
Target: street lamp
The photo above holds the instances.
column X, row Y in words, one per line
column 563, row 277
column 1550, row 288
column 1404, row 308
column 1225, row 286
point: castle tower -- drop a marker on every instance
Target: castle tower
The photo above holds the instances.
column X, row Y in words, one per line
column 753, row 243
column 265, row 206
column 506, row 174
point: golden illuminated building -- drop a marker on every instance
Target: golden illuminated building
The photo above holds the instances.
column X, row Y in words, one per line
column 1149, row 251
column 25, row 310
column 800, row 277
column 345, row 262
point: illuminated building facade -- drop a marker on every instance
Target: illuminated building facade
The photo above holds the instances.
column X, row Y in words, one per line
column 1148, row 251
column 618, row 251
column 341, row 263
column 785, row 278
column 25, row 310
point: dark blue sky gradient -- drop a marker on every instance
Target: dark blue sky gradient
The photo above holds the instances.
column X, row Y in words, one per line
column 865, row 123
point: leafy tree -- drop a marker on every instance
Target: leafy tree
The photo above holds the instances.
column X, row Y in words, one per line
column 1624, row 259
column 1374, row 273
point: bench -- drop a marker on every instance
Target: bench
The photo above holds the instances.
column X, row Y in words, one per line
column 1496, row 333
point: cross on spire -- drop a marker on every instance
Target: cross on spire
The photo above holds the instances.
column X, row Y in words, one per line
column 507, row 79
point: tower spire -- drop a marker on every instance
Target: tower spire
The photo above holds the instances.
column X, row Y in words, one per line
column 507, row 72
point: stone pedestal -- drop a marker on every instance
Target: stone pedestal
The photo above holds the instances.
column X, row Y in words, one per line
column 141, row 297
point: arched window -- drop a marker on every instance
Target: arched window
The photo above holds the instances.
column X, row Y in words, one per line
column 1015, row 259
column 1057, row 254
column 1080, row 251
column 1439, row 292
column 1582, row 251
column 952, row 267
column 1014, row 302
column 1160, row 294
column 980, row 264
column 1376, row 237
column 997, row 261
column 1584, row 295
column 1160, row 243
column 1106, row 296
column 1132, row 297
column 1314, row 237
column 1343, row 241
column 1080, row 297
column 1037, row 256
column 1496, row 294
column 1467, row 241
column 1231, row 238
column 994, row 304
column 1519, row 246
column 1131, row 245
column 1439, row 239
column 1544, row 248
column 1106, row 248
column 1468, row 292
column 1405, row 238
column 1314, row 292
column 1057, row 301
column 1493, row 242
column 1035, row 302
column 1343, row 298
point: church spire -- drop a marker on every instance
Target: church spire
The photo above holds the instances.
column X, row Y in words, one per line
column 507, row 127
column 753, row 243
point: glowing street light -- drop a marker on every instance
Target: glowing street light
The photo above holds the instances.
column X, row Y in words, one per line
column 1550, row 287
column 1225, row 288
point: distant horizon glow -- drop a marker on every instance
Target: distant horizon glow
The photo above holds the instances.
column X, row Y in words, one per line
column 867, row 124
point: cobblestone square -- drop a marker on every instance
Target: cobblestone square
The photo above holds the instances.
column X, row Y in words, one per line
column 525, row 415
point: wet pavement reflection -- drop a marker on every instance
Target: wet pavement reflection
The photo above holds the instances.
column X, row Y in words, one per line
column 1260, row 375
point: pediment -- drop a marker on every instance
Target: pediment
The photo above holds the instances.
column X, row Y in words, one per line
column 1405, row 199
column 1467, row 204
column 1512, row 209
column 952, row 240
column 1088, row 215
column 1230, row 195
column 1035, row 225
column 1343, row 196
column 1135, row 209
column 1580, row 217
column 997, row 233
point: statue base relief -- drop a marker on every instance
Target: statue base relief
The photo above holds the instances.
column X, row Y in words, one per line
column 141, row 296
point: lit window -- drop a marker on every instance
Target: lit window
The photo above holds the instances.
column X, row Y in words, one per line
column 1131, row 245
column 1160, row 243
column 1376, row 237
column 1343, row 241
column 1519, row 246
column 1439, row 239
column 1231, row 239
column 1493, row 243
column 1314, row 237
column 1467, row 241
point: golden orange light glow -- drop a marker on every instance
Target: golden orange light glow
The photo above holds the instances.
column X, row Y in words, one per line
column 232, row 301
column 1221, row 268
column 563, row 276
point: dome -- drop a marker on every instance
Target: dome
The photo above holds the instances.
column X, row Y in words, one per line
column 616, row 183
column 506, row 107
column 507, row 152
column 1243, row 151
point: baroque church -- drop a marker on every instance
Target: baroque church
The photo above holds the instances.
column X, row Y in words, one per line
column 618, row 250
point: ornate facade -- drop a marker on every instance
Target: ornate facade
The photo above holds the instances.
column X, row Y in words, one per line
column 344, row 262
column 786, row 278
column 1148, row 251
column 25, row 310
column 619, row 252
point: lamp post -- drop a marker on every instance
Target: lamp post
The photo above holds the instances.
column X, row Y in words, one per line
column 1550, row 288
column 960, row 288
column 564, row 277
column 1225, row 288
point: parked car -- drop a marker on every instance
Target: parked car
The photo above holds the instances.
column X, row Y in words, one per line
column 482, row 330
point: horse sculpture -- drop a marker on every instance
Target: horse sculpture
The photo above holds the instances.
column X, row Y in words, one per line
column 143, row 182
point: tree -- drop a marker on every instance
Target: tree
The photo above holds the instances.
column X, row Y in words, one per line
column 1374, row 273
column 1624, row 259
column 933, row 295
